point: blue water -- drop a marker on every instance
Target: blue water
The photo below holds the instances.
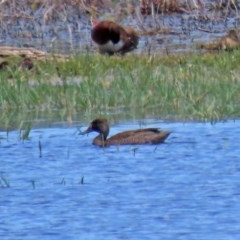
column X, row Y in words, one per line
column 187, row 188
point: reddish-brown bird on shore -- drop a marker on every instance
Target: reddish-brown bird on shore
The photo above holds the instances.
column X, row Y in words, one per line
column 112, row 38
column 131, row 137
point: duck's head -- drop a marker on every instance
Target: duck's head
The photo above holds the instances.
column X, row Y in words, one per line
column 132, row 36
column 233, row 35
column 99, row 125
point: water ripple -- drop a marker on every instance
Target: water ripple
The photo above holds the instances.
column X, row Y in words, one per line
column 186, row 188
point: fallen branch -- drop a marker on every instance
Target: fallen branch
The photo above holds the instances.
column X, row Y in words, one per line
column 31, row 53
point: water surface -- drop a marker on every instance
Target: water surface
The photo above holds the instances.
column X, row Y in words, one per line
column 186, row 188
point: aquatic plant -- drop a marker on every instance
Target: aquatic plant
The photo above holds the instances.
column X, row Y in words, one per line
column 82, row 181
column 40, row 148
column 203, row 87
column 33, row 183
column 25, row 129
column 4, row 182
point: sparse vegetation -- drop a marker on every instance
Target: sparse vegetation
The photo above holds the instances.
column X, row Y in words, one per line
column 203, row 87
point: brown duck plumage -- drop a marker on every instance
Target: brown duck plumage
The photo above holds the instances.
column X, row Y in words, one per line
column 230, row 41
column 227, row 42
column 112, row 38
column 140, row 136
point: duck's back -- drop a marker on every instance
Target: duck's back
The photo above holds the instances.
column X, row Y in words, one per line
column 113, row 38
column 107, row 31
column 140, row 136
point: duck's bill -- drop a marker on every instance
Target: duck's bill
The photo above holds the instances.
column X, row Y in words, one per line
column 88, row 130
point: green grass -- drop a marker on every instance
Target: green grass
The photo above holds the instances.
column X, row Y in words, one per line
column 202, row 87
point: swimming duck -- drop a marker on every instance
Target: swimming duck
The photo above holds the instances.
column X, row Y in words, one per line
column 131, row 137
column 111, row 38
